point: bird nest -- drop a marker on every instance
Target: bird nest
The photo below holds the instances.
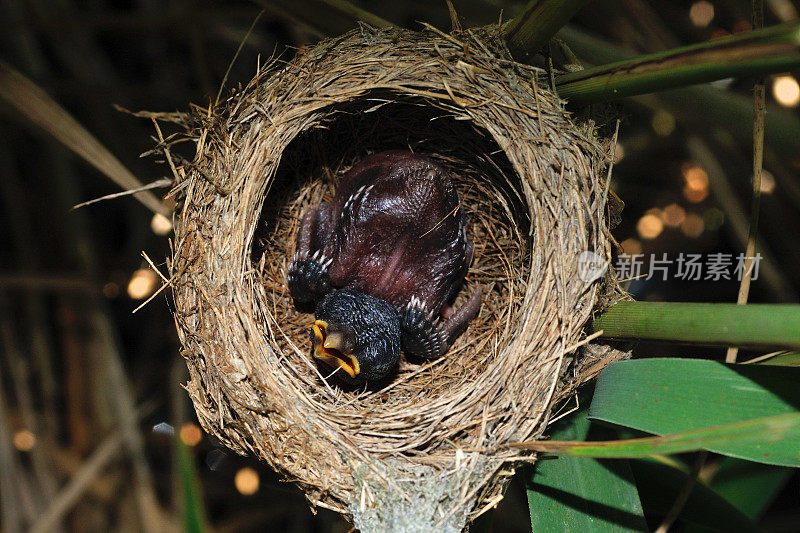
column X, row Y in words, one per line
column 429, row 447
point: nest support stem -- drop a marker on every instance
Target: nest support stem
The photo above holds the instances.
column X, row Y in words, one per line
column 417, row 501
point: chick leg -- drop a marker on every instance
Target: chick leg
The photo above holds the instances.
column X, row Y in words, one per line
column 307, row 275
column 424, row 336
column 458, row 322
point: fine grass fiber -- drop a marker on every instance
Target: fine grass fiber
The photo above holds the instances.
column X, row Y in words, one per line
column 429, row 446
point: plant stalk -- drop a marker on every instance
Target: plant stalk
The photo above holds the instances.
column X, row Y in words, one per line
column 759, row 110
column 752, row 325
column 784, row 427
column 532, row 29
column 753, row 53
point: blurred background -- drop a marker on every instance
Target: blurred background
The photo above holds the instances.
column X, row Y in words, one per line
column 96, row 432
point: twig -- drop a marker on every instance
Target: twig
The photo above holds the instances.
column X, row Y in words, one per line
column 759, row 105
column 700, row 151
column 532, row 29
column 754, row 53
column 611, row 164
column 451, row 213
column 571, row 348
column 167, row 283
column 166, row 182
column 724, row 324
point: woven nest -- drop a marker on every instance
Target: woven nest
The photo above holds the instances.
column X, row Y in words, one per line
column 430, row 448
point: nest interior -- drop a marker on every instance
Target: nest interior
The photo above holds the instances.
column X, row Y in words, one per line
column 532, row 184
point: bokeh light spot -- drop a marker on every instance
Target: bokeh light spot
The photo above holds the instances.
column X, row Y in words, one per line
column 663, row 123
column 110, row 290
column 786, row 91
column 701, row 13
column 246, row 481
column 24, row 440
column 191, row 435
column 649, row 226
column 142, row 284
column 696, row 189
column 693, row 226
column 631, row 246
column 767, row 182
column 673, row 215
column 160, row 225
column 619, row 152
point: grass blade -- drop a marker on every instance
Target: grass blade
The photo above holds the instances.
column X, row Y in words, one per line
column 762, row 435
column 754, row 53
column 761, row 325
column 665, row 396
column 783, row 359
column 194, row 513
column 577, row 494
column 531, row 30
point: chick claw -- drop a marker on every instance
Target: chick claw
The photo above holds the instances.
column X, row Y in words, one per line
column 308, row 279
column 421, row 334
column 428, row 337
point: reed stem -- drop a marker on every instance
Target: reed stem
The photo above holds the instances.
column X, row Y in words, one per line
column 753, row 53
column 755, row 325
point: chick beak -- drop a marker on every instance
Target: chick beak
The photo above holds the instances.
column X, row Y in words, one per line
column 327, row 348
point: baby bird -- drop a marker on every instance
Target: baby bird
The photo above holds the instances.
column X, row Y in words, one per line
column 381, row 262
